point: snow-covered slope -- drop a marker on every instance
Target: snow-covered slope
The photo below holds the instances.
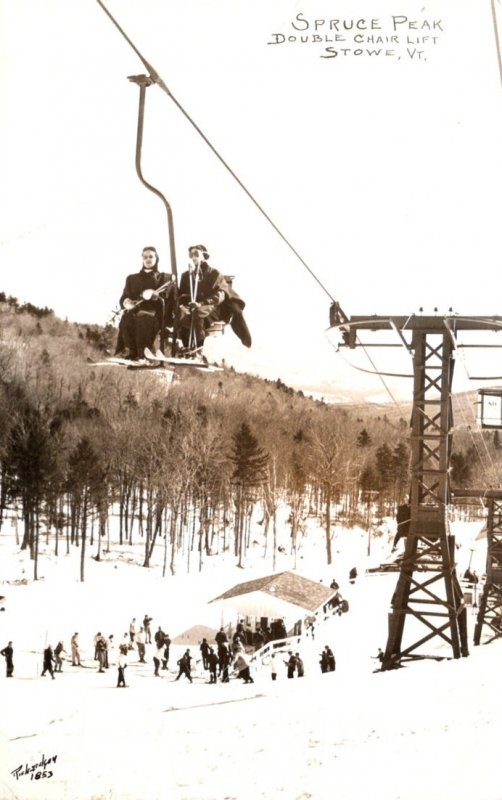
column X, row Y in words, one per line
column 431, row 730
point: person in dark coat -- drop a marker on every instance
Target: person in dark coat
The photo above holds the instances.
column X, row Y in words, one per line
column 299, row 665
column 212, row 663
column 144, row 313
column 58, row 651
column 167, row 645
column 121, row 665
column 291, row 664
column 185, row 665
column 331, row 659
column 159, row 637
column 48, row 661
column 8, row 654
column 205, row 296
column 258, row 638
column 221, row 637
column 403, row 519
column 101, row 651
column 353, row 575
column 223, row 661
column 324, row 662
column 204, row 649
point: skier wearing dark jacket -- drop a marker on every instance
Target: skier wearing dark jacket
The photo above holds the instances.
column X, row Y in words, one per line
column 221, row 637
column 212, row 662
column 205, row 296
column 204, row 649
column 185, row 664
column 48, row 661
column 167, row 645
column 141, row 321
column 8, row 654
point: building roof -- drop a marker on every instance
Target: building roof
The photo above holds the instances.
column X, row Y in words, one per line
column 286, row 586
column 195, row 634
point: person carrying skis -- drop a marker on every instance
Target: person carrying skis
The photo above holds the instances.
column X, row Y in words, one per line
column 144, row 313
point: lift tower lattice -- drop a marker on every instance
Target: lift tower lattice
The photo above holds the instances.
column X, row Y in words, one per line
column 428, row 600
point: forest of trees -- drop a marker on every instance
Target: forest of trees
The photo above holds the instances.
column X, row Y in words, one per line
column 183, row 465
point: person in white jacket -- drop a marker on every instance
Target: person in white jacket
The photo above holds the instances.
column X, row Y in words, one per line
column 140, row 641
column 273, row 667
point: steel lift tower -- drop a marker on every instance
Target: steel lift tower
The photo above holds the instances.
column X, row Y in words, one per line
column 490, row 605
column 427, row 608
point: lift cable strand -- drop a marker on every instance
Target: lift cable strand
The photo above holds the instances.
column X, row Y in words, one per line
column 158, row 80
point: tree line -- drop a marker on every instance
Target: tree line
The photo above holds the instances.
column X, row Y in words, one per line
column 183, row 467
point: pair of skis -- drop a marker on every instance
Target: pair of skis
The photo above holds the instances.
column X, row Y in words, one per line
column 157, row 360
column 192, row 359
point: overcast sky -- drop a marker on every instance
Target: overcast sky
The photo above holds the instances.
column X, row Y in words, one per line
column 383, row 171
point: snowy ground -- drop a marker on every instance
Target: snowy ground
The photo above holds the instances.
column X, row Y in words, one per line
column 431, row 730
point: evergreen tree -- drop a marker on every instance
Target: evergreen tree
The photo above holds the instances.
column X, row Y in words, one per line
column 364, row 439
column 249, row 458
column 250, row 469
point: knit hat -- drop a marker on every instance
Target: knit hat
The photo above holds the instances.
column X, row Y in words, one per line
column 200, row 247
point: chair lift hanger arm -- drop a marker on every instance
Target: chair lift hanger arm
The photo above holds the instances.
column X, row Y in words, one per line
column 155, row 77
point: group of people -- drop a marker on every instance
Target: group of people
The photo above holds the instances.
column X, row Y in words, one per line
column 220, row 659
column 224, row 656
column 152, row 302
column 294, row 665
column 327, row 660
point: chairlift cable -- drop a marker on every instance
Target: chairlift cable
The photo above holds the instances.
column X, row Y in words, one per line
column 482, row 462
column 154, row 75
column 156, row 78
column 497, row 37
column 376, row 372
column 488, row 454
column 491, row 466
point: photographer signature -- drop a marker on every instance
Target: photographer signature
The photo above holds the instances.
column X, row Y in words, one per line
column 35, row 771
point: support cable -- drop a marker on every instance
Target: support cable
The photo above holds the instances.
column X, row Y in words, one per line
column 497, row 37
column 154, row 75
